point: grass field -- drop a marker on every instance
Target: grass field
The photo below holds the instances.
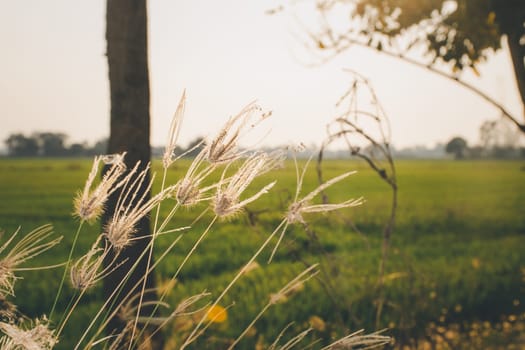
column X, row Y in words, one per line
column 455, row 271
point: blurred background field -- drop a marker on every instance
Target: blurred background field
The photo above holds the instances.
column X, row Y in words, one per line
column 455, row 274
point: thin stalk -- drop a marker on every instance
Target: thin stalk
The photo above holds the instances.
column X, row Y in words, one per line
column 150, row 255
column 70, row 312
column 192, row 337
column 114, row 293
column 65, row 269
column 176, row 274
column 266, row 307
column 115, row 310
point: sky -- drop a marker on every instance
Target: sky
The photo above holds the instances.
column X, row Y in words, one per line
column 225, row 54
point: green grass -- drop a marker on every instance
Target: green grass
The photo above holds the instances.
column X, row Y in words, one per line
column 457, row 248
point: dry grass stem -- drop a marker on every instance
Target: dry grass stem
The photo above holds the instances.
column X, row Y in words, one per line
column 302, row 206
column 227, row 197
column 295, row 340
column 362, row 341
column 294, row 285
column 130, row 309
column 282, row 295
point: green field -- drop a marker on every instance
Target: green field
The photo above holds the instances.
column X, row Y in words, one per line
column 457, row 254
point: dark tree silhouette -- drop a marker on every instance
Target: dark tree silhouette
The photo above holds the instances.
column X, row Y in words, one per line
column 127, row 53
column 19, row 145
column 52, row 144
column 457, row 146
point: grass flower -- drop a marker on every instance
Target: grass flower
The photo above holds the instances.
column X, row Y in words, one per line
column 188, row 190
column 224, row 147
column 176, row 122
column 89, row 203
column 216, row 314
column 37, row 337
column 301, row 206
column 131, row 208
column 34, row 243
column 86, row 271
column 226, row 202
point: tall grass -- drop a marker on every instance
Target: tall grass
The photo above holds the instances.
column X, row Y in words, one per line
column 220, row 180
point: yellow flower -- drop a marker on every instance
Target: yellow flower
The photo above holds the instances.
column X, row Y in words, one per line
column 491, row 17
column 476, row 263
column 317, row 323
column 216, row 314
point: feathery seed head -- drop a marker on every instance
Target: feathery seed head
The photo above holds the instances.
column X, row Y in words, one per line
column 187, row 192
column 168, row 157
column 299, row 207
column 7, row 278
column 32, row 244
column 131, row 208
column 37, row 337
column 85, row 272
column 89, row 203
column 226, row 202
column 223, row 148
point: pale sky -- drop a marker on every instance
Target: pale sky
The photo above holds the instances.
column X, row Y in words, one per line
column 225, row 54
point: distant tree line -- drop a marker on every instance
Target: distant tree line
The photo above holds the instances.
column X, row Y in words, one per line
column 50, row 144
column 54, row 144
column 497, row 140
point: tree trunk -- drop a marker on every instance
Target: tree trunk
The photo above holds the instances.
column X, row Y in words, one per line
column 127, row 53
column 511, row 18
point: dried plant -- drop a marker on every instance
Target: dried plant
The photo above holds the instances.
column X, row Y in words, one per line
column 33, row 244
column 223, row 148
column 360, row 106
column 89, row 203
column 431, row 44
column 226, row 202
column 36, row 337
column 237, row 170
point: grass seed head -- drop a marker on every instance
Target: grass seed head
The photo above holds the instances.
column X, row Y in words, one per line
column 224, row 147
column 169, row 152
column 226, row 202
column 37, row 337
column 86, row 271
column 89, row 204
column 32, row 244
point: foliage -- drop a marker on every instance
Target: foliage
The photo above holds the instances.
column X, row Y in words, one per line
column 430, row 34
column 50, row 144
column 457, row 146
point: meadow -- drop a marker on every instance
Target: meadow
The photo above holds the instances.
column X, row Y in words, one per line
column 455, row 270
